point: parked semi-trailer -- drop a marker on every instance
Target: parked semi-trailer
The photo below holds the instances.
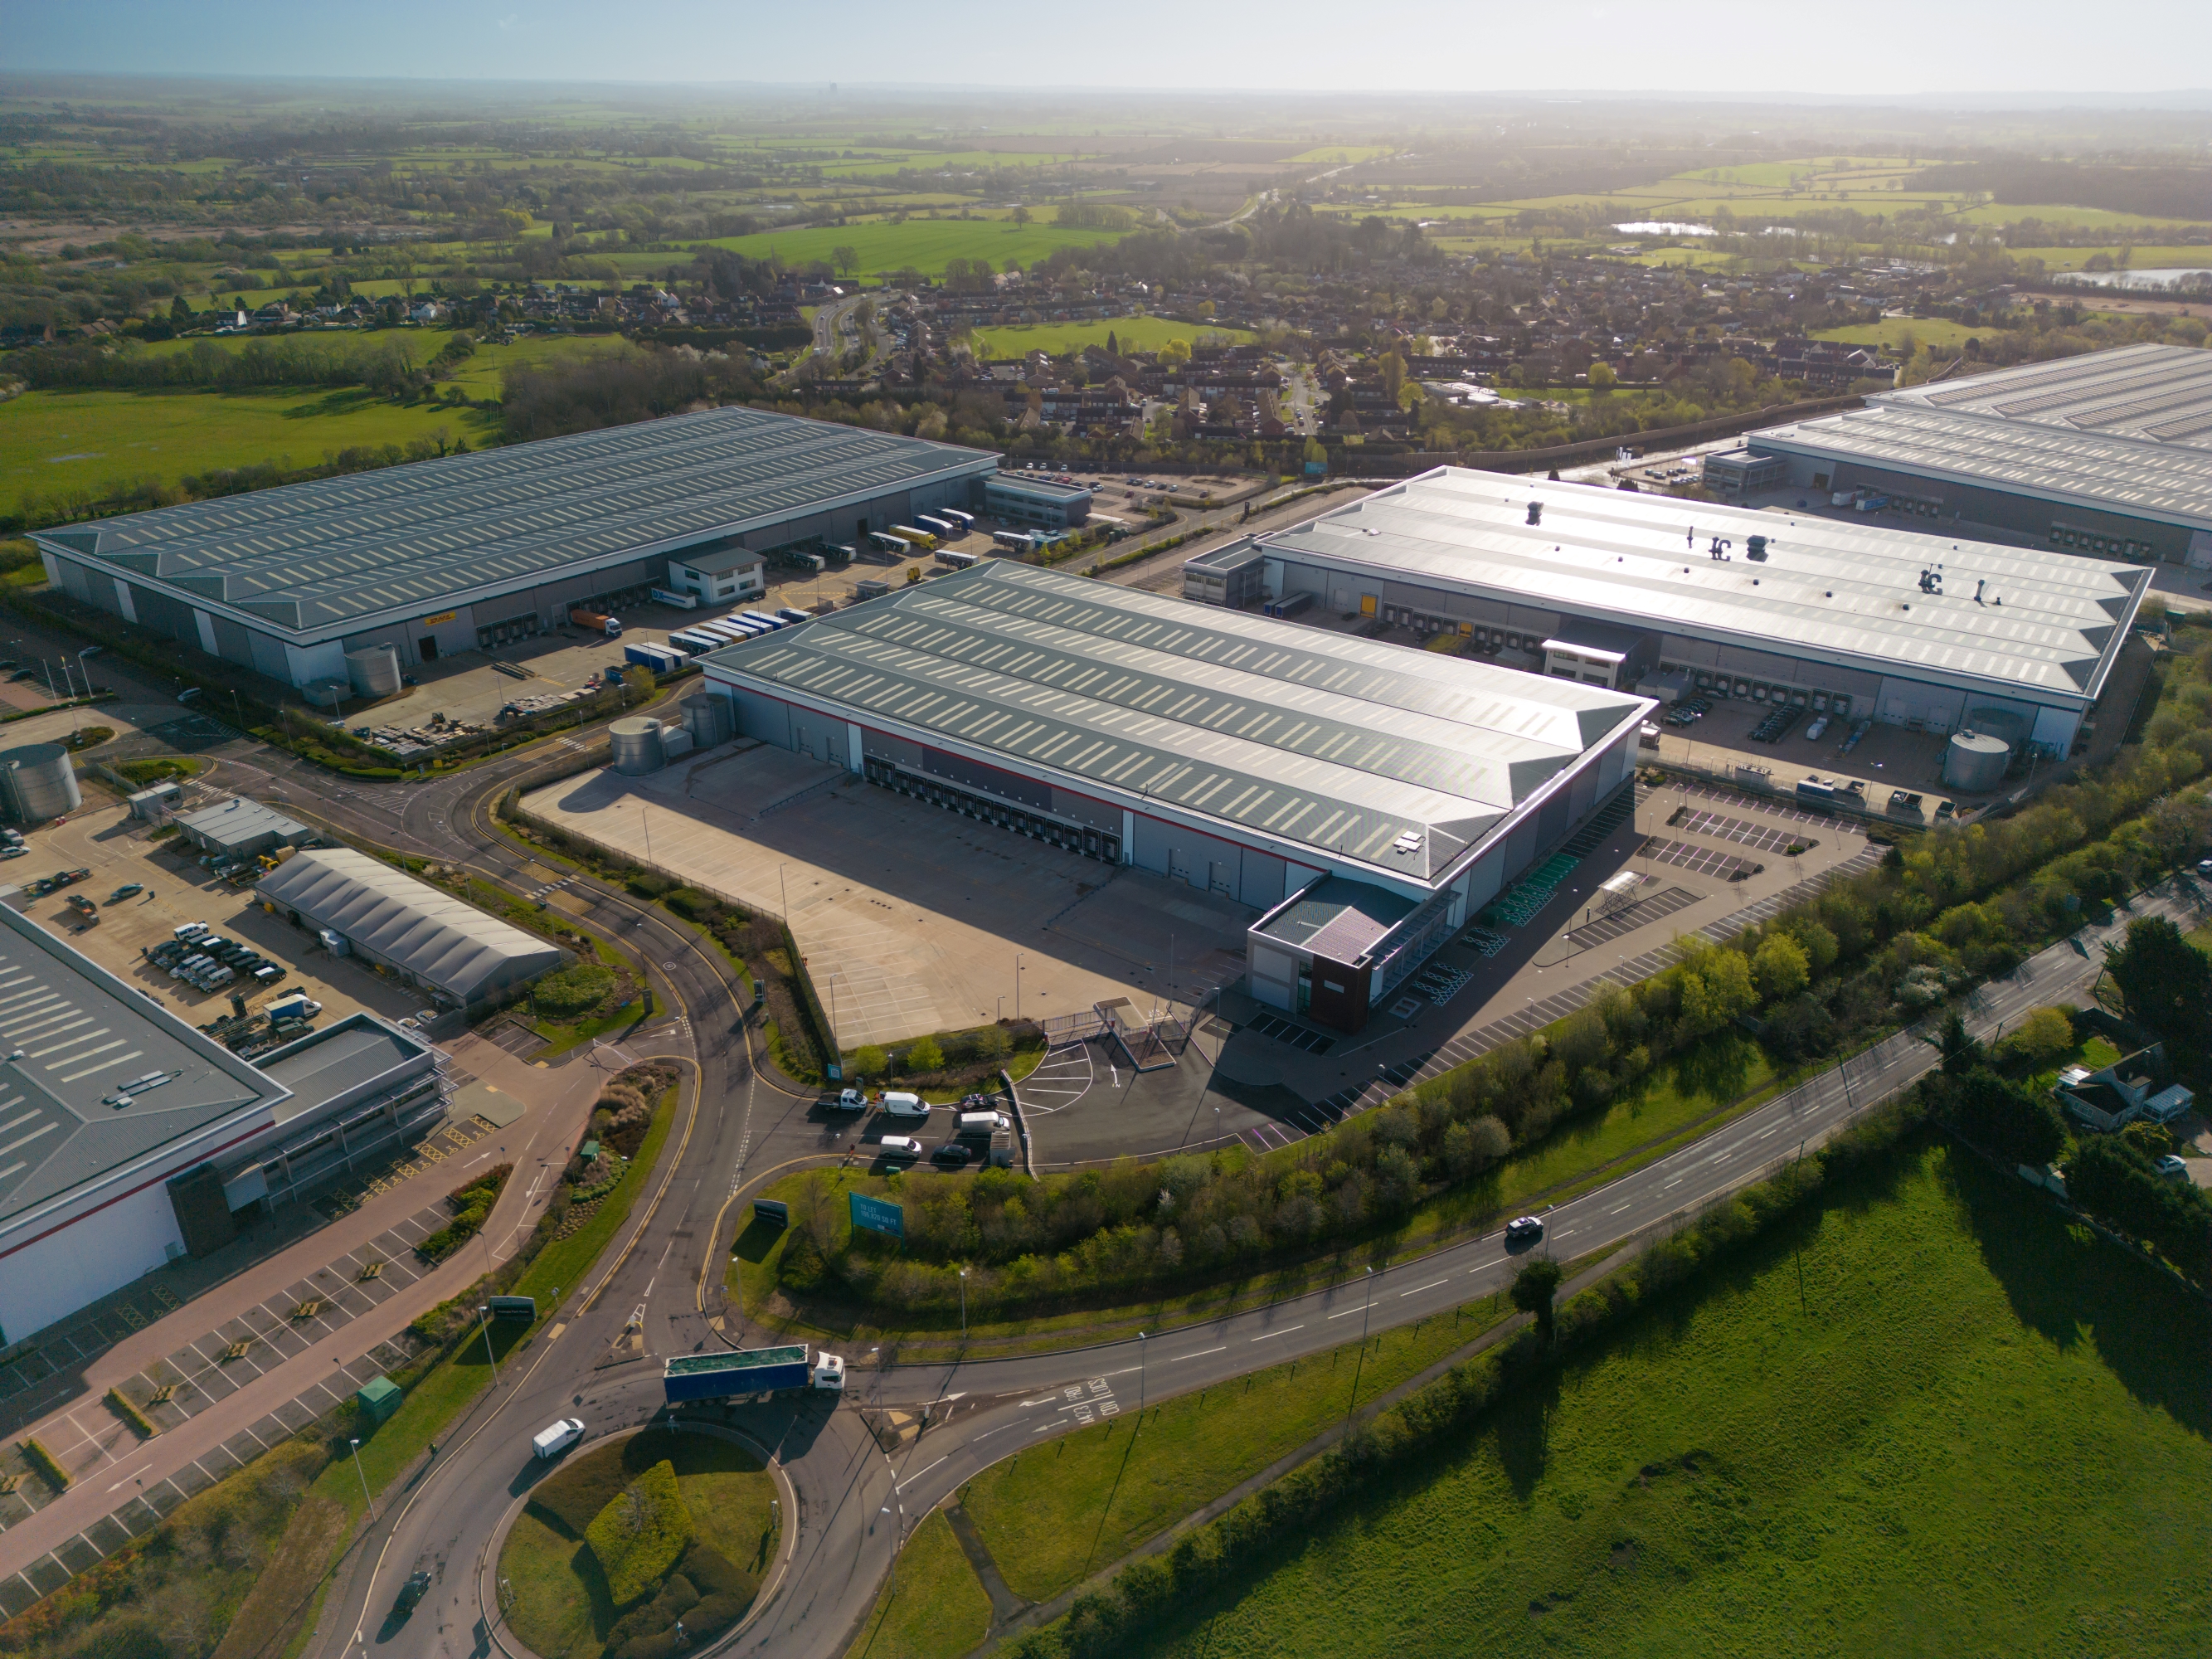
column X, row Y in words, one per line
column 597, row 621
column 912, row 537
column 965, row 520
column 749, row 1371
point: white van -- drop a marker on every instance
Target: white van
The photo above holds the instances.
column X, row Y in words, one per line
column 984, row 1123
column 904, row 1105
column 551, row 1443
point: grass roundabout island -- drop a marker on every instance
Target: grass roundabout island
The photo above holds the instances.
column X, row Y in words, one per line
column 638, row 1548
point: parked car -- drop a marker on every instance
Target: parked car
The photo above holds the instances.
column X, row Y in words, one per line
column 1524, row 1229
column 905, row 1105
column 952, row 1155
column 2172, row 1167
column 899, row 1146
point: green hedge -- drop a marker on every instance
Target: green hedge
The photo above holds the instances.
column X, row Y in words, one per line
column 123, row 1408
column 49, row 1466
column 1437, row 1421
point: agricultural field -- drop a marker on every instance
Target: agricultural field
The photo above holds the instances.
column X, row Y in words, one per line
column 66, row 440
column 478, row 375
column 1131, row 333
column 1342, row 154
column 1969, row 1428
column 2053, row 213
column 2139, row 257
column 1899, row 334
column 925, row 244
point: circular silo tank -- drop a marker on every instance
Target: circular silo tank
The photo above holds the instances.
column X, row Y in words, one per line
column 637, row 748
column 374, row 672
column 38, row 782
column 1975, row 762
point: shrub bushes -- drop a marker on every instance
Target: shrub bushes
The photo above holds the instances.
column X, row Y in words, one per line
column 471, row 1204
column 641, row 1533
column 573, row 992
column 706, row 1591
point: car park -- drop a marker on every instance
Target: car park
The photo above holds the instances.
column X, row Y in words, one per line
column 1524, row 1229
column 899, row 1146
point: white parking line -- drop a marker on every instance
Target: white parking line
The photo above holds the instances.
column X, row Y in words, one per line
column 1200, row 1354
column 1270, row 1335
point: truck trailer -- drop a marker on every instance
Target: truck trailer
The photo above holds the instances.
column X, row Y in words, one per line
column 596, row 621
column 749, row 1371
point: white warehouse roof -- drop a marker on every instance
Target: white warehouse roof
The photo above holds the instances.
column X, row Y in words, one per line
column 2011, row 620
column 441, row 941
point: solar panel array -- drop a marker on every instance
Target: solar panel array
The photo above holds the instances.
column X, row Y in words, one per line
column 1844, row 591
column 1399, row 759
column 413, row 538
column 100, row 1078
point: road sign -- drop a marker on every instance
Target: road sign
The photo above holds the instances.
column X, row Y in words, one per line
column 772, row 1211
column 877, row 1216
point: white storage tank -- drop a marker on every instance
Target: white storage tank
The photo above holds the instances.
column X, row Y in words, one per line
column 374, row 673
column 637, row 746
column 1974, row 762
column 37, row 782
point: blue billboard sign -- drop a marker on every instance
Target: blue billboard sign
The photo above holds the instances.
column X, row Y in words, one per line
column 876, row 1215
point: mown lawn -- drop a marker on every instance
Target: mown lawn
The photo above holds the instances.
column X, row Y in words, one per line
column 1895, row 333
column 52, row 441
column 1978, row 1431
column 933, row 1606
column 1130, row 333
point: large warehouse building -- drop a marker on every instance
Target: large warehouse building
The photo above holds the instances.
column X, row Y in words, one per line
column 1602, row 586
column 128, row 1138
column 421, row 934
column 449, row 555
column 2109, row 453
column 1366, row 799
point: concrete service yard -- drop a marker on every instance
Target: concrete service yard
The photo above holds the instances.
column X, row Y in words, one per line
column 911, row 918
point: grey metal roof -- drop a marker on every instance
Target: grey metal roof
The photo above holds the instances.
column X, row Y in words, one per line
column 235, row 822
column 2159, row 392
column 1398, row 758
column 2168, row 483
column 86, row 1040
column 413, row 539
column 319, row 1067
column 1338, row 919
column 439, row 938
column 2048, row 622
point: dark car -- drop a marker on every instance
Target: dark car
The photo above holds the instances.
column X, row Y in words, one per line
column 1524, row 1229
column 952, row 1155
column 413, row 1592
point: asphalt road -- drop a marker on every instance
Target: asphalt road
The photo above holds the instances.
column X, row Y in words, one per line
column 856, row 1504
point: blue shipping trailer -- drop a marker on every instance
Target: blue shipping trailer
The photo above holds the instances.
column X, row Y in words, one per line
column 749, row 1371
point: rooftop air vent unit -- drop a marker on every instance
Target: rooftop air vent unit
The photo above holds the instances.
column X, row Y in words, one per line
column 1536, row 513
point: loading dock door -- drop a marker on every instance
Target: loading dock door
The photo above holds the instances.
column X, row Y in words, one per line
column 426, row 647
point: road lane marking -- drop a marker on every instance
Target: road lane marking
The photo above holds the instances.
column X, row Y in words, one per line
column 1417, row 1289
column 1618, row 1208
column 1347, row 1313
column 1200, row 1354
column 1268, row 1335
column 917, row 1475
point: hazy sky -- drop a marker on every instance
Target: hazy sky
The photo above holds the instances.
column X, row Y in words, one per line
column 1870, row 46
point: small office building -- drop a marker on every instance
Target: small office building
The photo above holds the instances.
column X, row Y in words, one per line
column 720, row 574
column 240, row 829
column 1019, row 498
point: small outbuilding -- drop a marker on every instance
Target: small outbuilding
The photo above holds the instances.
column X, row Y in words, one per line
column 378, row 1398
column 240, row 829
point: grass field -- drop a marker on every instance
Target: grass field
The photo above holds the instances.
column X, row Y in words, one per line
column 925, row 244
column 1891, row 333
column 56, row 440
column 1974, row 1431
column 933, row 1606
column 2057, row 213
column 2139, row 258
column 562, row 1609
column 1052, row 1514
column 1131, row 333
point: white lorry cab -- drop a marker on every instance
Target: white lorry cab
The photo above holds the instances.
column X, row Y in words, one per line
column 552, row 1442
column 852, row 1100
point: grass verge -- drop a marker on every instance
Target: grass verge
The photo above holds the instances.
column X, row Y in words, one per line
column 1055, row 1513
column 933, row 1607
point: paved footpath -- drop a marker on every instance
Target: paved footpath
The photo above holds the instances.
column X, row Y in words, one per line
column 227, row 1412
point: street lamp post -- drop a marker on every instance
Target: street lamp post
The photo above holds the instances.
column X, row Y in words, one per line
column 1362, row 1365
column 484, row 1315
column 368, row 1502
column 1140, row 1378
column 963, row 1304
column 1017, row 987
